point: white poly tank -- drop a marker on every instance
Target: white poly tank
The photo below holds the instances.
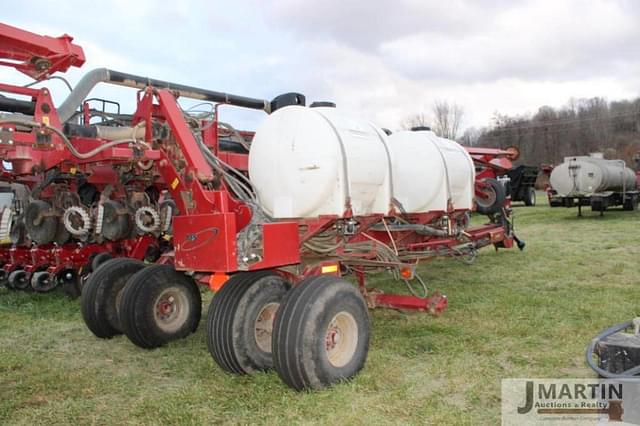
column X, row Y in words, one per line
column 429, row 171
column 306, row 162
column 583, row 176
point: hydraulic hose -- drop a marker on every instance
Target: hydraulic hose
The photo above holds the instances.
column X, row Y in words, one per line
column 418, row 228
column 591, row 348
column 67, row 142
column 103, row 75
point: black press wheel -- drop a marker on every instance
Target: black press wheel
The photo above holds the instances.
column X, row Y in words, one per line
column 321, row 333
column 494, row 196
column 4, row 278
column 159, row 305
column 19, row 280
column 240, row 321
column 101, row 293
column 43, row 282
column 530, row 196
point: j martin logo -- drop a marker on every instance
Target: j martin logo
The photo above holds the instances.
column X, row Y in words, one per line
column 570, row 401
column 574, row 399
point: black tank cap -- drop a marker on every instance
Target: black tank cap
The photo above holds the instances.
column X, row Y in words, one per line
column 287, row 99
column 326, row 104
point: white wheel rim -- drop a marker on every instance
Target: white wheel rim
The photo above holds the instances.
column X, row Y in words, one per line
column 264, row 326
column 491, row 198
column 341, row 339
column 171, row 309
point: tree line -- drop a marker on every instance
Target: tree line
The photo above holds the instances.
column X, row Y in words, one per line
column 581, row 127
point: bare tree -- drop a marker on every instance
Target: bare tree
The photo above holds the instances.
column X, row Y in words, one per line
column 447, row 118
column 415, row 120
column 471, row 136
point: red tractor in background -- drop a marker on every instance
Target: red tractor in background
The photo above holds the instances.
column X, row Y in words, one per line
column 171, row 187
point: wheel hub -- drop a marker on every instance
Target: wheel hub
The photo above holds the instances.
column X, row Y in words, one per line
column 341, row 339
column 171, row 310
column 264, row 326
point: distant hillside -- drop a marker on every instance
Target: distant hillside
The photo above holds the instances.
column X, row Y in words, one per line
column 581, row 127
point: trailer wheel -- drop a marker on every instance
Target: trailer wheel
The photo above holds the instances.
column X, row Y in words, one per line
column 631, row 203
column 99, row 259
column 159, row 305
column 530, row 197
column 101, row 293
column 240, row 321
column 19, row 280
column 321, row 333
column 496, row 194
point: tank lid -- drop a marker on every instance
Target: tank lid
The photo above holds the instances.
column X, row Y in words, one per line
column 287, row 99
column 326, row 104
column 421, row 129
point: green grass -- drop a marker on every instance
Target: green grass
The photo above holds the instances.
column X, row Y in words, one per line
column 511, row 314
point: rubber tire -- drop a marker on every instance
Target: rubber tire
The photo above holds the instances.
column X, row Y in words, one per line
column 136, row 306
column 232, row 316
column 500, row 193
column 99, row 259
column 530, row 197
column 4, row 280
column 40, row 285
column 299, row 353
column 19, row 280
column 631, row 203
column 100, row 294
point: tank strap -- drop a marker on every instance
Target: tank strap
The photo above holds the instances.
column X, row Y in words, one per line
column 446, row 170
column 345, row 166
column 392, row 197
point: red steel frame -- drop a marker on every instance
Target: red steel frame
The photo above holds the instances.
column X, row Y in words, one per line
column 491, row 163
column 212, row 219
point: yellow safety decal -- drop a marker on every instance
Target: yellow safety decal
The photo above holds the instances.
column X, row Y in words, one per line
column 175, row 183
column 329, row 269
column 45, row 120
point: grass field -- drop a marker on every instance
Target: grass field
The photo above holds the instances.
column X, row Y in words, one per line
column 511, row 314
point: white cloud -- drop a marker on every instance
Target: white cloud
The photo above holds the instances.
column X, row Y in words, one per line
column 384, row 60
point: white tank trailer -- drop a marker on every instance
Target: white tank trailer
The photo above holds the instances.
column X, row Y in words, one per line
column 310, row 161
column 592, row 180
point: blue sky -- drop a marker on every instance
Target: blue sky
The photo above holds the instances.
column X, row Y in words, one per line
column 383, row 60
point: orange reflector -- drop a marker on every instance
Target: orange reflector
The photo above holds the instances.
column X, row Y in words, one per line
column 217, row 281
column 328, row 269
column 406, row 272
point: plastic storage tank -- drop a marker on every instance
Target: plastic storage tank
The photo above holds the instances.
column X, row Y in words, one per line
column 306, row 162
column 429, row 172
column 585, row 175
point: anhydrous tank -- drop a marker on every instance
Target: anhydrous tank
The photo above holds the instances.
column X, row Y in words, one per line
column 306, row 162
column 578, row 176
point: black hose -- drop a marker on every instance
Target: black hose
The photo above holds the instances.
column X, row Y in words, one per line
column 17, row 105
column 591, row 348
